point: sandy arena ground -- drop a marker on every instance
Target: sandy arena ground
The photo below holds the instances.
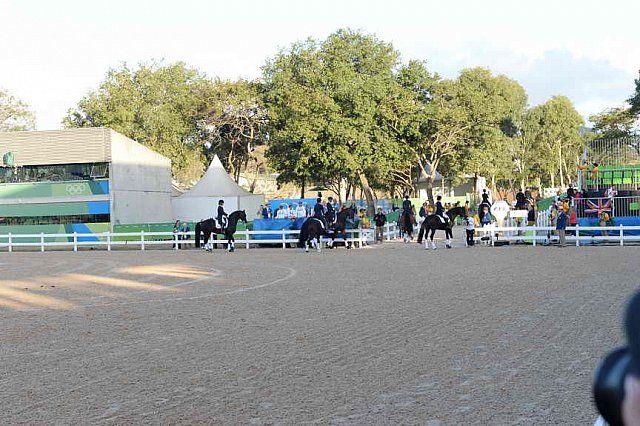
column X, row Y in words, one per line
column 379, row 336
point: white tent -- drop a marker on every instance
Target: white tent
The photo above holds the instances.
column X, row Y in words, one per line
column 201, row 201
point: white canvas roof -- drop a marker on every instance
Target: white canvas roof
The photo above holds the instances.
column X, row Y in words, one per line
column 216, row 182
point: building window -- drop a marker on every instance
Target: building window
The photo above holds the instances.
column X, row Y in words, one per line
column 54, row 172
column 55, row 220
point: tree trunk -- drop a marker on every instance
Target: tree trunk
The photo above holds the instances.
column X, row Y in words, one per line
column 561, row 171
column 368, row 193
column 302, row 188
column 553, row 180
column 430, row 178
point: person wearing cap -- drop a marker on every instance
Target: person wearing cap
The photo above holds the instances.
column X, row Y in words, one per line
column 222, row 215
column 318, row 212
column 561, row 226
column 330, row 212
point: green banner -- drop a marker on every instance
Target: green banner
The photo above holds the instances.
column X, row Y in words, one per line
column 54, row 189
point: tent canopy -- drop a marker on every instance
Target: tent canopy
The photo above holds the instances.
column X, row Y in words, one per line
column 216, row 182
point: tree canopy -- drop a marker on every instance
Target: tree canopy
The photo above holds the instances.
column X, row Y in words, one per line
column 14, row 114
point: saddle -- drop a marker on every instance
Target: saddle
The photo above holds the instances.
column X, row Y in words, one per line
column 222, row 225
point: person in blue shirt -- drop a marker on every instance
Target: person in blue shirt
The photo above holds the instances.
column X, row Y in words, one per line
column 561, row 225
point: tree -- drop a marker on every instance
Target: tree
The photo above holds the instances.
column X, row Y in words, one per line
column 634, row 100
column 494, row 108
column 157, row 105
column 558, row 142
column 333, row 105
column 235, row 122
column 614, row 123
column 15, row 115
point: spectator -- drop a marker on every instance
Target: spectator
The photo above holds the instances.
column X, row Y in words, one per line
column 291, row 211
column 281, row 213
column 300, row 211
column 176, row 229
column 604, row 221
column 487, row 218
column 185, row 232
column 364, row 220
column 531, row 215
column 260, row 210
column 470, row 228
column 561, row 226
column 380, row 219
column 266, row 212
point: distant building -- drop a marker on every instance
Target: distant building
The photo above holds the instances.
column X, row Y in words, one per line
column 80, row 180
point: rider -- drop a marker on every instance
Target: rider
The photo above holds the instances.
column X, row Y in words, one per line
column 330, row 211
column 318, row 212
column 222, row 216
column 406, row 205
column 440, row 210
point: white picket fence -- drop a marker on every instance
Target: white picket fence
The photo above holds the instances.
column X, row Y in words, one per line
column 141, row 240
column 535, row 235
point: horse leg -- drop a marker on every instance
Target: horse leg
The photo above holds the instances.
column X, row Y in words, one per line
column 317, row 243
column 433, row 243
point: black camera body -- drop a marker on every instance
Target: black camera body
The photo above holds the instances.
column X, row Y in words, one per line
column 608, row 378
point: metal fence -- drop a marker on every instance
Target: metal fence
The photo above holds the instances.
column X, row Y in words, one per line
column 142, row 240
column 619, row 206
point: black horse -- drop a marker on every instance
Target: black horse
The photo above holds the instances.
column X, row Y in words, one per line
column 310, row 232
column 208, row 227
column 433, row 222
column 313, row 228
column 406, row 223
column 340, row 226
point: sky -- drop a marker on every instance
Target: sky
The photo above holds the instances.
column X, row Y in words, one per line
column 54, row 52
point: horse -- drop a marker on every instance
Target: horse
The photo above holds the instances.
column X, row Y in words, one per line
column 313, row 228
column 406, row 223
column 340, row 226
column 208, row 227
column 310, row 232
column 433, row 222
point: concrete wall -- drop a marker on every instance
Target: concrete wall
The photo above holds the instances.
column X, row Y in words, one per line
column 140, row 183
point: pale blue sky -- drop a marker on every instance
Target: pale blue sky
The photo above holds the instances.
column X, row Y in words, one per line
column 54, row 52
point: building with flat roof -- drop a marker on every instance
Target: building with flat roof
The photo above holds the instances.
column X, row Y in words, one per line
column 80, row 180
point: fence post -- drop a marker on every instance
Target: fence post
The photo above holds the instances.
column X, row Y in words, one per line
column 577, row 235
column 42, row 241
column 75, row 241
column 10, row 242
column 108, row 241
column 535, row 234
column 142, row 240
column 492, row 229
column 175, row 240
column 621, row 236
column 246, row 238
column 284, row 243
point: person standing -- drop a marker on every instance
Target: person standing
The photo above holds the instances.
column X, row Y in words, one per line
column 604, row 219
column 380, row 219
column 561, row 226
column 470, row 228
column 266, row 211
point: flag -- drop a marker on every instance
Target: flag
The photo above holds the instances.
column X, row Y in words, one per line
column 601, row 206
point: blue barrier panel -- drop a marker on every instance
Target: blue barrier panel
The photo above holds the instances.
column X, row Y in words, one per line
column 275, row 225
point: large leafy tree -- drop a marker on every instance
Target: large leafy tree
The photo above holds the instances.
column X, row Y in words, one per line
column 235, row 122
column 556, row 130
column 333, row 105
column 158, row 105
column 14, row 113
column 634, row 100
column 614, row 123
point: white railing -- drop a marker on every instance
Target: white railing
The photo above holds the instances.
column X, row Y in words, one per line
column 546, row 234
column 284, row 237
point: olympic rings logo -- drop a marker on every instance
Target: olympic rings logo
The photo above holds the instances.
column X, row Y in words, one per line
column 75, row 188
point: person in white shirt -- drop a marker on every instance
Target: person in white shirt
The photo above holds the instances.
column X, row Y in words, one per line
column 470, row 228
column 282, row 213
column 300, row 212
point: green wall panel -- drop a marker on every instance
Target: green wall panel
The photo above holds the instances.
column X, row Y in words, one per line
column 50, row 209
column 54, row 189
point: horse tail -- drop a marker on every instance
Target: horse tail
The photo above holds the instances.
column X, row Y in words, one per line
column 197, row 234
column 302, row 237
